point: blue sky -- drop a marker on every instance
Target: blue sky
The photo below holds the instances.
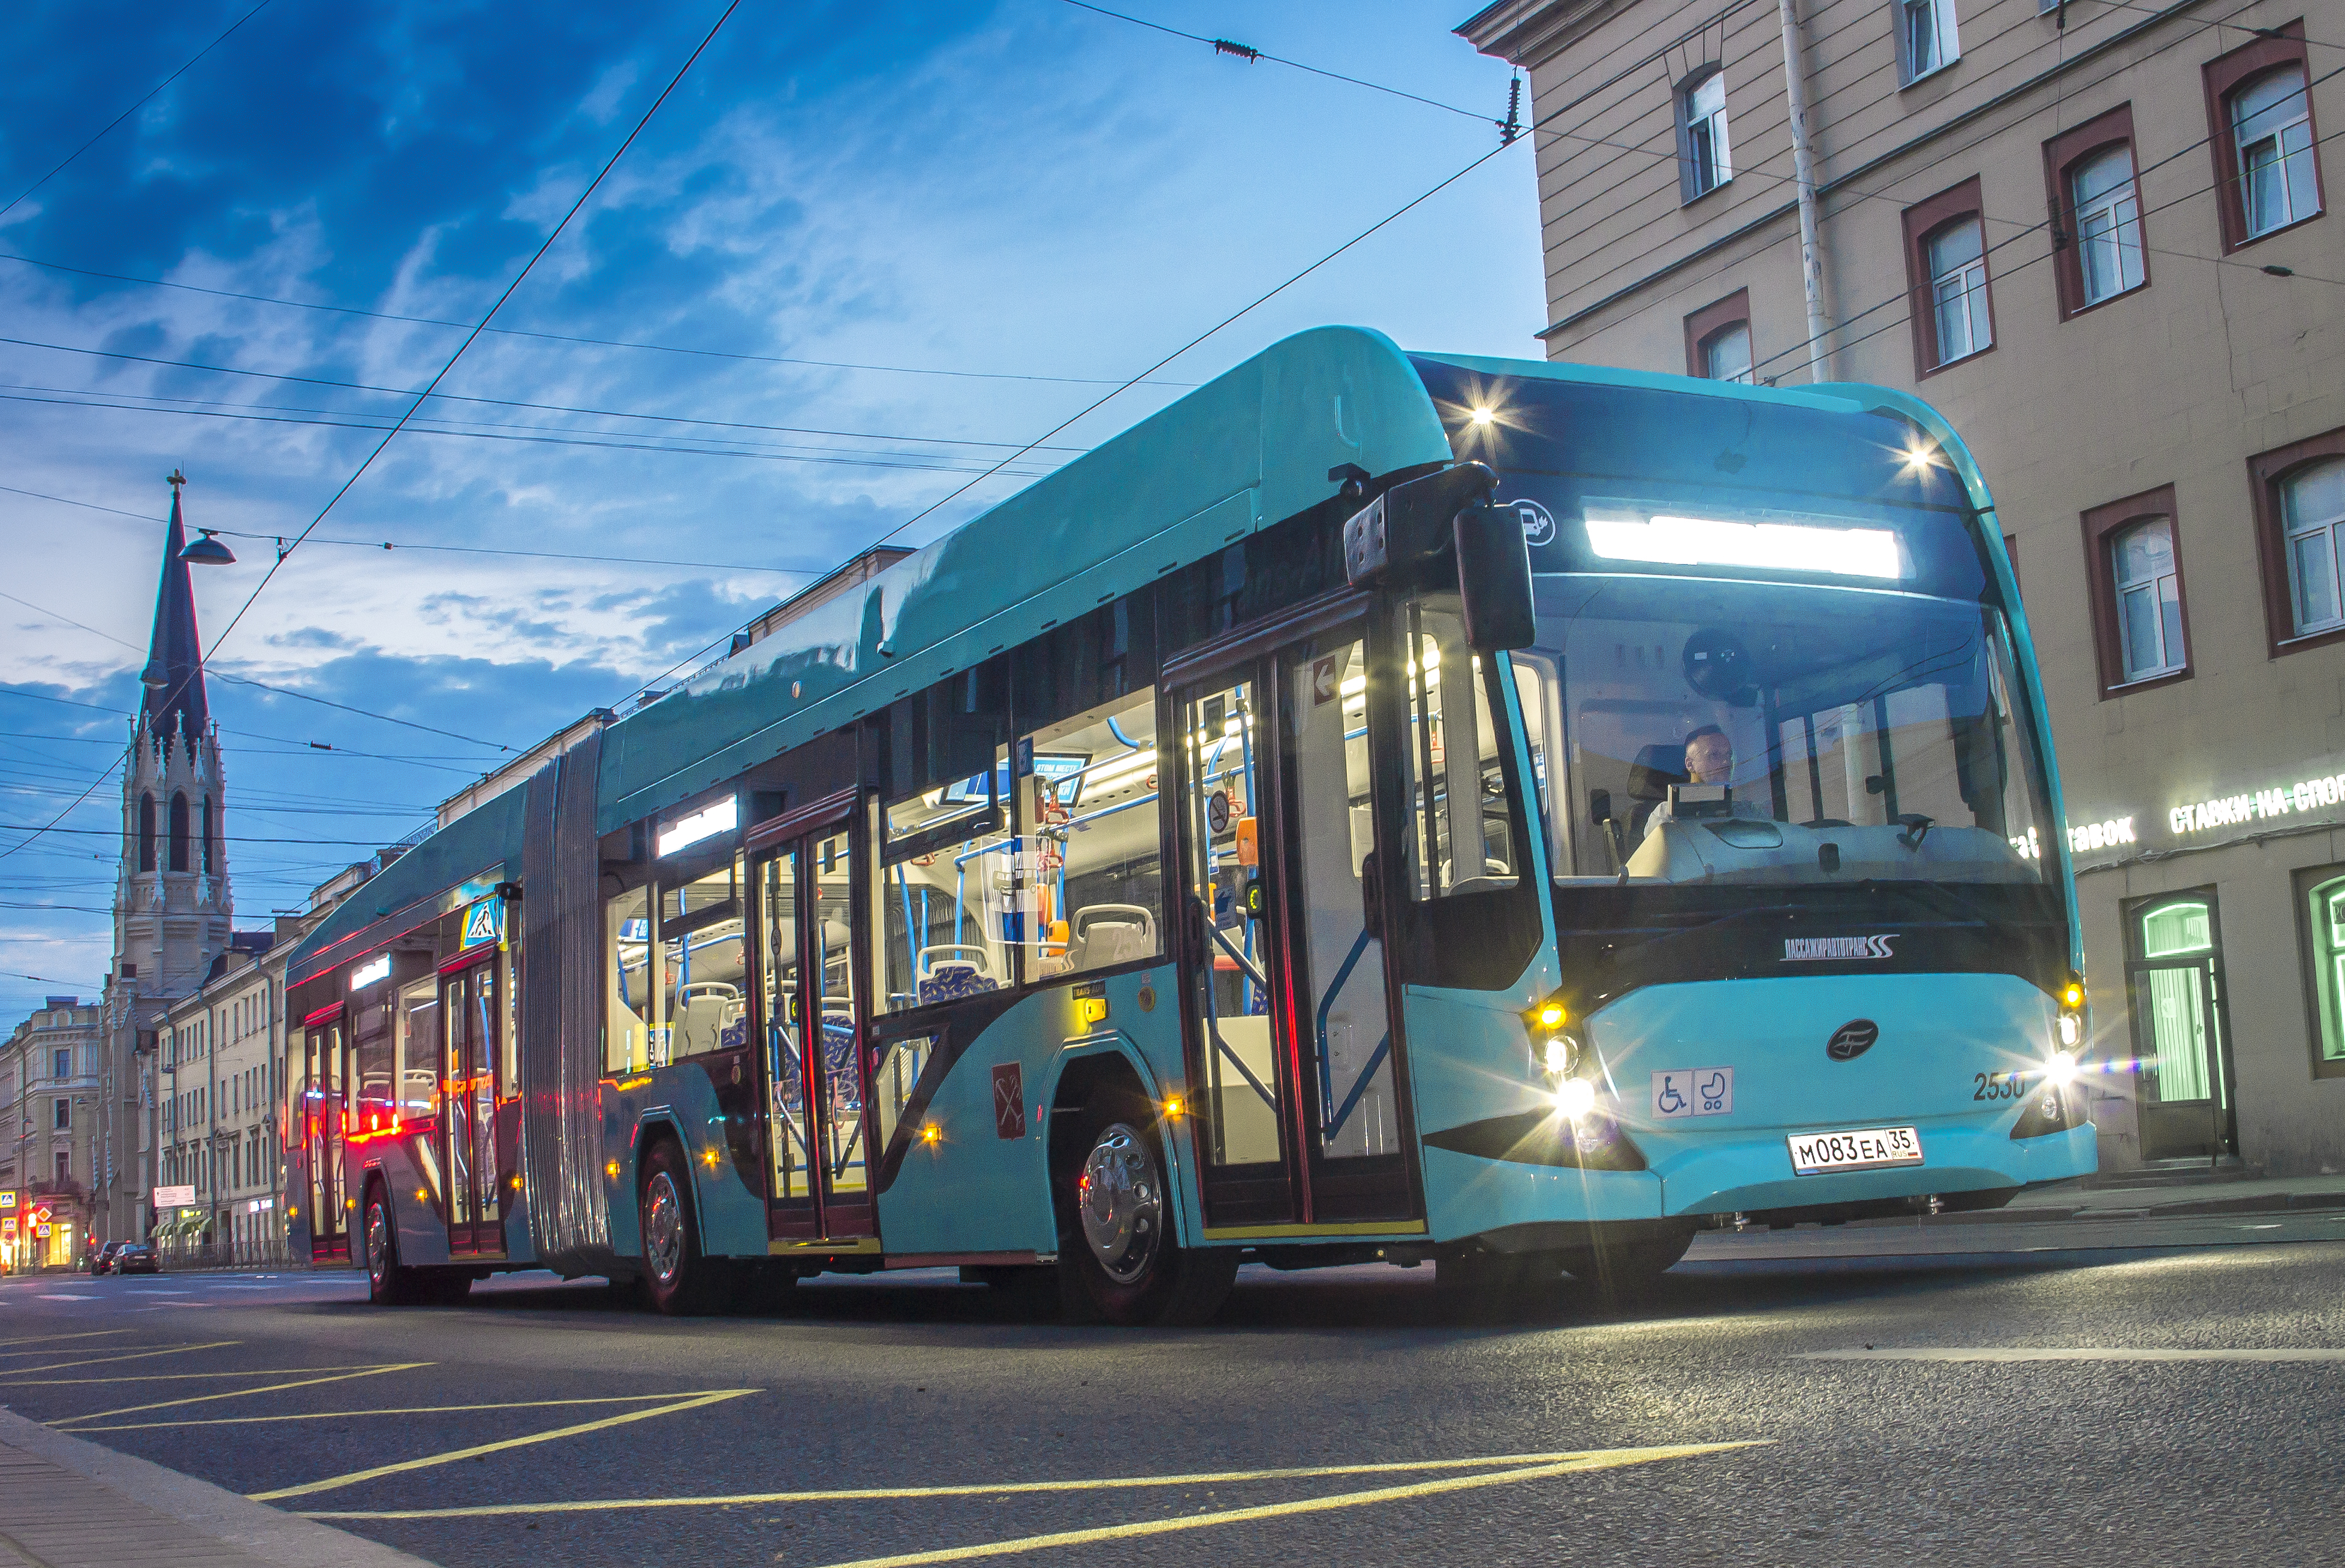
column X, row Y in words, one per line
column 898, row 243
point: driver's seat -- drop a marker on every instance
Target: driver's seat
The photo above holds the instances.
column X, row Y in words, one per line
column 1650, row 778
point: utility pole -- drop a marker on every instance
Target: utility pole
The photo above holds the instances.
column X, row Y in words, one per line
column 1804, row 175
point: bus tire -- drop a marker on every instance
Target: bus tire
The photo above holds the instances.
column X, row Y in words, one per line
column 1117, row 1254
column 679, row 1278
column 388, row 1283
column 1629, row 1267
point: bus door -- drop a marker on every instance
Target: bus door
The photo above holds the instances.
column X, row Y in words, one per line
column 813, row 1022
column 1292, row 1035
column 321, row 1130
column 470, row 1003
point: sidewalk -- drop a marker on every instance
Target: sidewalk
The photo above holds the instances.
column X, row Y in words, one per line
column 67, row 1503
column 2134, row 1195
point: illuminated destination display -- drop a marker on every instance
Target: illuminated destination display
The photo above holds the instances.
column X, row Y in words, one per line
column 722, row 817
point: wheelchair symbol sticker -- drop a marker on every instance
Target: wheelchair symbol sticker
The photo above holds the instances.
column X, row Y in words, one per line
column 1692, row 1091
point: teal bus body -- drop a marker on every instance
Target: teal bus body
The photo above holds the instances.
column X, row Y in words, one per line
column 1288, row 1021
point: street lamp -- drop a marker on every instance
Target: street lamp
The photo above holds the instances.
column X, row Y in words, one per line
column 208, row 552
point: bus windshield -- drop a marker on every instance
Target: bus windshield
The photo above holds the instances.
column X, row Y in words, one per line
column 1740, row 733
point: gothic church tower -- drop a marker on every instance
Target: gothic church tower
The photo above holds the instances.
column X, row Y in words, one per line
column 171, row 905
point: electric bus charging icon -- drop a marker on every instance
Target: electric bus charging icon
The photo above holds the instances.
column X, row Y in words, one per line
column 1692, row 1091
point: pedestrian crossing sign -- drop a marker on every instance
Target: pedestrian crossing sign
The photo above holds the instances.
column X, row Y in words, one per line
column 484, row 922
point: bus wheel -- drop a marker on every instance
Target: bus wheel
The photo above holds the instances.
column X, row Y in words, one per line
column 680, row 1279
column 1629, row 1267
column 1129, row 1268
column 388, row 1284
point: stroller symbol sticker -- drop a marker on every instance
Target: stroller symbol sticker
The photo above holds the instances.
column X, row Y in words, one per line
column 1692, row 1091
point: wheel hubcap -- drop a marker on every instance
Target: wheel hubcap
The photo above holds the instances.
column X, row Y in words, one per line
column 1121, row 1201
column 664, row 1227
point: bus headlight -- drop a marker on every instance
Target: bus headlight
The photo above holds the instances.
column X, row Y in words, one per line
column 2060, row 1070
column 1574, row 1098
column 1559, row 1056
column 2071, row 1029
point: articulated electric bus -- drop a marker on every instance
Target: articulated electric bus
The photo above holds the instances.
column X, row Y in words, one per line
column 1382, row 806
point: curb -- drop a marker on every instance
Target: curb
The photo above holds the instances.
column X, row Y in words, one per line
column 283, row 1539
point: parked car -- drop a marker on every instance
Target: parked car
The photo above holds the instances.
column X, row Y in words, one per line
column 136, row 1258
column 104, row 1262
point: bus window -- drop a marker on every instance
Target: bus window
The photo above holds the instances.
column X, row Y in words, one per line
column 418, row 1050
column 1232, row 990
column 627, row 997
column 372, row 1086
column 830, row 866
column 901, row 1062
column 785, row 1081
column 1453, row 757
column 704, row 999
column 945, row 896
column 1090, row 801
column 1539, row 688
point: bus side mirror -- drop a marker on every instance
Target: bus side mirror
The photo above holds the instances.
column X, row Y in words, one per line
column 1410, row 525
column 1494, row 579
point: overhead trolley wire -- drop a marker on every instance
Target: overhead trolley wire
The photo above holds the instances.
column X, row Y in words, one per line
column 134, row 109
column 470, row 338
column 1259, row 301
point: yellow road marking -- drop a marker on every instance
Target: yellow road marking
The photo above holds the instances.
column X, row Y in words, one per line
column 45, row 1340
column 409, row 1410
column 181, row 1377
column 1601, row 1459
column 1008, row 1488
column 354, row 1477
column 239, row 1393
column 107, row 1360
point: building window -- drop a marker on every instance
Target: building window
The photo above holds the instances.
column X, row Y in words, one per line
column 146, row 831
column 1718, row 340
column 179, row 832
column 2299, row 492
column 1952, row 312
column 61, row 1114
column 1926, row 39
column 208, row 863
column 65, row 1169
column 2149, row 599
column 2320, row 910
column 2266, row 149
column 62, row 1060
column 1705, row 161
column 2140, row 623
column 2312, row 510
column 1958, row 291
column 2271, row 126
column 2098, row 248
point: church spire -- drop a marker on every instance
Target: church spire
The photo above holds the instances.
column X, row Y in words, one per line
column 174, row 676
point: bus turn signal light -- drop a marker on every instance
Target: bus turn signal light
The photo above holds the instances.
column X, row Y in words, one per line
column 1173, row 1108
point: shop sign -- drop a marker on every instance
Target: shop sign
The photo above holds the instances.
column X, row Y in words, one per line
column 367, row 974
column 174, row 1196
column 2108, row 835
column 2258, row 805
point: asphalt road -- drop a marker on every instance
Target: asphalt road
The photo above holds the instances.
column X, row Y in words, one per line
column 2124, row 1392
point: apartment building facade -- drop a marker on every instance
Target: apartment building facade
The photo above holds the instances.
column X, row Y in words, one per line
column 2095, row 235
column 51, row 1086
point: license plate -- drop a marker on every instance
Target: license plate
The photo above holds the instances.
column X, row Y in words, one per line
column 1868, row 1149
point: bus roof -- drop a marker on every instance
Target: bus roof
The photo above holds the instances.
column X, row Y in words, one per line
column 1252, row 447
